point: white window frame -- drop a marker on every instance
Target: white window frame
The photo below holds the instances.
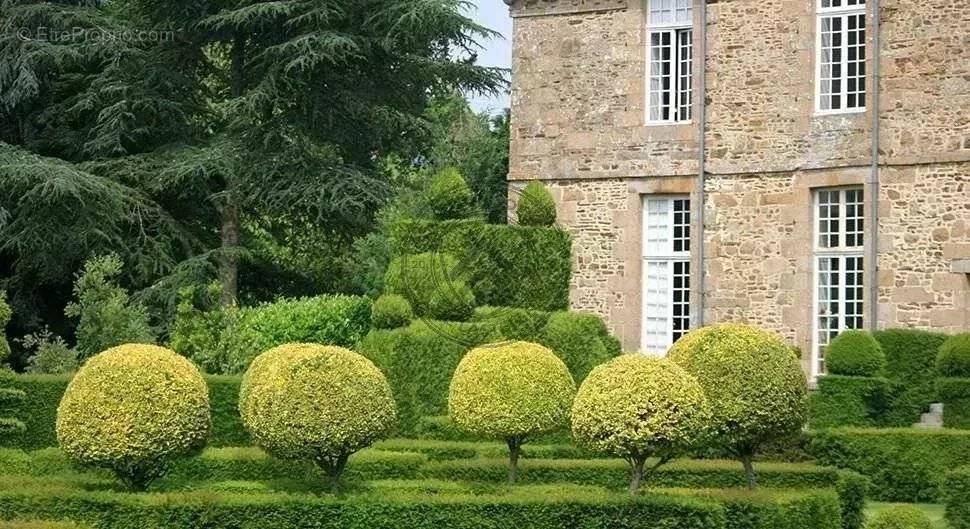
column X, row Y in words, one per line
column 843, row 12
column 674, row 29
column 668, row 256
column 843, row 254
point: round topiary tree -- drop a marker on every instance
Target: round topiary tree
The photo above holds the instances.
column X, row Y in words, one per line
column 449, row 197
column 132, row 409
column 512, row 391
column 452, row 301
column 637, row 407
column 391, row 311
column 855, row 353
column 315, row 402
column 754, row 385
column 953, row 359
column 900, row 517
column 536, row 206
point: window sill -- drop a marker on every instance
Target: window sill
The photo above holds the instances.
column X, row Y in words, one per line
column 666, row 123
column 851, row 111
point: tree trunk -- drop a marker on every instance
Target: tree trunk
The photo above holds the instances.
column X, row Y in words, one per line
column 515, row 448
column 636, row 474
column 229, row 267
column 749, row 471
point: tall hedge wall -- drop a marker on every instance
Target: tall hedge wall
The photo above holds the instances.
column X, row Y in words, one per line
column 911, row 366
column 508, row 266
column 958, row 498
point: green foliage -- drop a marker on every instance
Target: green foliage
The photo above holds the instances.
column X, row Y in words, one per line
column 51, row 355
column 511, row 391
column 855, row 353
column 755, row 385
column 106, row 316
column 536, row 206
column 636, row 407
column 955, row 395
column 957, row 498
column 451, row 301
column 10, row 400
column 131, row 409
column 417, row 277
column 514, row 324
column 580, row 340
column 5, row 314
column 953, row 359
column 506, row 266
column 316, row 403
column 911, row 365
column 904, row 464
column 225, row 340
column 390, row 312
column 850, row 401
column 900, row 517
column 449, row 197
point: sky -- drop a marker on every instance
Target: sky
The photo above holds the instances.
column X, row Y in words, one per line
column 493, row 14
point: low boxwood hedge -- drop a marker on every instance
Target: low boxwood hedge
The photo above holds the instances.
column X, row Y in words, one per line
column 746, row 509
column 904, row 464
column 957, row 498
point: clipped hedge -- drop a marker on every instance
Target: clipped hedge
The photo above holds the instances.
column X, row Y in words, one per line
column 506, row 266
column 850, row 401
column 955, row 395
column 904, row 464
column 514, row 323
column 957, row 498
column 911, row 365
column 581, row 340
column 774, row 509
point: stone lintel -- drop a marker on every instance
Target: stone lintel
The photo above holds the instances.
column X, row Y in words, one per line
column 960, row 266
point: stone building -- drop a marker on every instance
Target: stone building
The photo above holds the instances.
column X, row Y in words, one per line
column 792, row 224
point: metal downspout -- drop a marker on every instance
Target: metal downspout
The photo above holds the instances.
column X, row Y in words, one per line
column 873, row 180
column 701, row 161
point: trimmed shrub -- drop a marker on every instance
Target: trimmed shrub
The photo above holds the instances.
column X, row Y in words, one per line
column 953, row 359
column 316, row 403
column 580, row 340
column 506, row 266
column 774, row 509
column 855, row 354
column 416, row 277
column 957, row 498
column 955, row 396
column 911, row 366
column 513, row 392
column 904, row 464
column 10, row 400
column 900, row 517
column 850, row 401
column 636, row 407
column 525, row 325
column 536, row 206
column 754, row 384
column 451, row 301
column 132, row 409
column 449, row 197
column 390, row 312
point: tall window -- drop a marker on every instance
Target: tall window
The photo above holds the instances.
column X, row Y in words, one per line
column 670, row 56
column 838, row 267
column 666, row 272
column 841, row 55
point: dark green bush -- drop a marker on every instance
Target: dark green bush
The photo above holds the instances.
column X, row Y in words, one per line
column 953, row 360
column 451, row 301
column 536, row 206
column 904, row 464
column 849, row 401
column 910, row 365
column 5, row 314
column 440, row 428
column 417, row 276
column 580, row 340
column 955, row 396
column 514, row 324
column 506, row 266
column 900, row 517
column 390, row 312
column 10, row 400
column 774, row 509
column 855, row 354
column 957, row 498
column 449, row 197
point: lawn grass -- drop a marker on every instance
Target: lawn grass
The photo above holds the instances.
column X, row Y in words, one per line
column 934, row 511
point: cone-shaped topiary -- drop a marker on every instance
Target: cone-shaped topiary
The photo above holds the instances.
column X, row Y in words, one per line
column 637, row 407
column 900, row 517
column 511, row 391
column 416, row 277
column 132, row 409
column 855, row 354
column 391, row 311
column 452, row 301
column 536, row 206
column 754, row 384
column 449, row 197
column 315, row 402
column 953, row 359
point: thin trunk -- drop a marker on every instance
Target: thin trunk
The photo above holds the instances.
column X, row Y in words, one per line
column 749, row 471
column 334, row 468
column 515, row 448
column 636, row 474
column 229, row 267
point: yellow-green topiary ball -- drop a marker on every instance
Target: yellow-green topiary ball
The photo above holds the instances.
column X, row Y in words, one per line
column 315, row 402
column 131, row 409
column 637, row 406
column 514, row 390
column 753, row 381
